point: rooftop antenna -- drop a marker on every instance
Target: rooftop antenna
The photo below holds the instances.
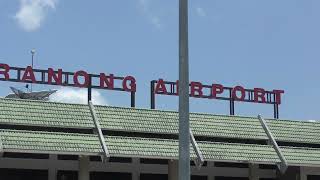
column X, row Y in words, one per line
column 33, row 51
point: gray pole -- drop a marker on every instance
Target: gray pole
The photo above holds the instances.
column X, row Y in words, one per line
column 184, row 129
column 33, row 51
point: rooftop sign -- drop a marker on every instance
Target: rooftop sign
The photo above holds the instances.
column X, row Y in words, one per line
column 59, row 77
column 220, row 92
column 83, row 79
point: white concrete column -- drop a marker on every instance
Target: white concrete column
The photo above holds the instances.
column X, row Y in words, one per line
column 173, row 169
column 210, row 166
column 303, row 174
column 52, row 171
column 253, row 172
column 211, row 175
column 84, row 173
column 136, row 171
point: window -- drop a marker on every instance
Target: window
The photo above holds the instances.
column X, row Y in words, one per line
column 23, row 174
column 267, row 166
column 153, row 161
column 194, row 177
column 68, row 157
column 67, row 175
column 110, row 176
column 193, row 164
column 112, row 159
column 153, row 177
column 313, row 177
column 230, row 178
column 25, row 155
column 227, row 164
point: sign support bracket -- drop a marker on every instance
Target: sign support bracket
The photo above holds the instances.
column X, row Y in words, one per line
column 199, row 160
column 98, row 130
column 283, row 164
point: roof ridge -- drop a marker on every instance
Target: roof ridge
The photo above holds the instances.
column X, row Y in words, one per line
column 122, row 107
column 158, row 110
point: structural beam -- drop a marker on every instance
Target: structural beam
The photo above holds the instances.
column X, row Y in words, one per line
column 199, row 160
column 99, row 131
column 283, row 165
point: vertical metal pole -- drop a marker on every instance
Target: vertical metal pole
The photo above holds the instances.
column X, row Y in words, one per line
column 184, row 129
column 232, row 107
column 274, row 111
column 90, row 88
column 33, row 51
column 277, row 111
column 133, row 99
column 152, row 96
column 275, row 108
column 231, row 103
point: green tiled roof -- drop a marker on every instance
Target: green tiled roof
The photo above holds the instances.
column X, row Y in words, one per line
column 49, row 142
column 39, row 113
column 86, row 144
column 294, row 155
column 49, row 114
column 61, row 143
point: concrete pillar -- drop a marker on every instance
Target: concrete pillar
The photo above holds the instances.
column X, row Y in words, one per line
column 84, row 173
column 136, row 171
column 253, row 172
column 173, row 169
column 303, row 175
column 52, row 171
column 211, row 175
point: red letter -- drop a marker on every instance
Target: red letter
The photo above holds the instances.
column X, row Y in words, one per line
column 28, row 75
column 133, row 85
column 278, row 93
column 76, row 80
column 234, row 93
column 5, row 72
column 161, row 87
column 196, row 87
column 108, row 80
column 259, row 93
column 53, row 75
column 216, row 89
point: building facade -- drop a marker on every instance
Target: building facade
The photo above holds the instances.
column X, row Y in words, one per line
column 58, row 141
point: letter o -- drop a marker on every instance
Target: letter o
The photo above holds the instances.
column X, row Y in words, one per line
column 76, row 80
column 241, row 90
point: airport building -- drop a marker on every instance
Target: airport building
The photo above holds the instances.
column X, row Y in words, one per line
column 57, row 141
